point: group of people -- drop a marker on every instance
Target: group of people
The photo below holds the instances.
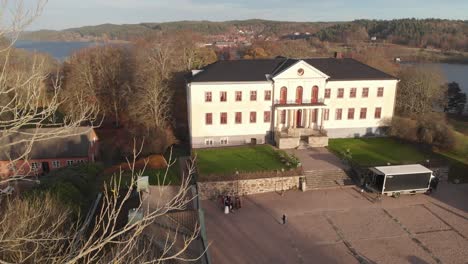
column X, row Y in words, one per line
column 230, row 203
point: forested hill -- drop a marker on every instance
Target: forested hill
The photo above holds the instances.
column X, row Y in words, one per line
column 446, row 34
column 134, row 31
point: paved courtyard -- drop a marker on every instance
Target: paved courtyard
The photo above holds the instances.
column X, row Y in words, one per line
column 317, row 158
column 342, row 226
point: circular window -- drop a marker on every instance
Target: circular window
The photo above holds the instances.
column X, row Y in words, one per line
column 300, row 72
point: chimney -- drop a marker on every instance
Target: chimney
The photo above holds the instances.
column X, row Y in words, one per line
column 338, row 55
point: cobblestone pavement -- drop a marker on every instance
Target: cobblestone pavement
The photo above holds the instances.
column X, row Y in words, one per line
column 342, row 226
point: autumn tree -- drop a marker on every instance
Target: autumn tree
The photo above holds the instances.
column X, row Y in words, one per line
column 420, row 90
column 102, row 75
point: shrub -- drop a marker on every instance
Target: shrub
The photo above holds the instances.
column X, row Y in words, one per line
column 431, row 129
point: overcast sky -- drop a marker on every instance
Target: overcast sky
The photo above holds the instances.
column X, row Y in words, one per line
column 60, row 14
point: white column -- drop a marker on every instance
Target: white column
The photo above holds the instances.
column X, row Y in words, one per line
column 306, row 118
column 294, row 118
column 288, row 118
column 310, row 118
column 278, row 120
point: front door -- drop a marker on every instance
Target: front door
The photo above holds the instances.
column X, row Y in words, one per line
column 45, row 167
column 299, row 118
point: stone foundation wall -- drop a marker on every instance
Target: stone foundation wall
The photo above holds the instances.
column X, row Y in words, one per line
column 318, row 142
column 211, row 190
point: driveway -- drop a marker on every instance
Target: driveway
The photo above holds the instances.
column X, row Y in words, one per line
column 317, row 159
column 342, row 226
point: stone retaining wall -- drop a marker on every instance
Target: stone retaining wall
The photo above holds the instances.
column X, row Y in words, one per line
column 211, row 190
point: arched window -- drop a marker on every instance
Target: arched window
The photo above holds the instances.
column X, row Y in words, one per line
column 283, row 95
column 315, row 92
column 299, row 95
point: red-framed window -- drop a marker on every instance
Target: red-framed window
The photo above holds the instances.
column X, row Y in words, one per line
column 299, row 91
column 327, row 93
column 380, row 92
column 208, row 118
column 365, row 92
column 223, row 96
column 283, row 117
column 352, row 93
column 267, row 116
column 351, row 113
column 238, row 117
column 223, row 118
column 340, row 93
column 268, row 95
column 253, row 117
column 378, row 112
column 253, row 95
column 283, row 95
column 238, row 96
column 326, row 114
column 208, row 97
column 339, row 114
column 363, row 113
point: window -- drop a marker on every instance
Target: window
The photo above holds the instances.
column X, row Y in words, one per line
column 315, row 91
column 267, row 116
column 365, row 92
column 69, row 162
column 352, row 93
column 238, row 96
column 338, row 114
column 326, row 114
column 56, row 163
column 283, row 117
column 340, row 92
column 268, row 95
column 253, row 117
column 299, row 95
column 223, row 118
column 208, row 97
column 209, row 142
column 380, row 92
column 34, row 165
column 351, row 113
column 327, row 93
column 223, row 96
column 363, row 113
column 209, row 119
column 283, row 95
column 238, row 117
column 253, row 95
column 224, row 141
column 378, row 112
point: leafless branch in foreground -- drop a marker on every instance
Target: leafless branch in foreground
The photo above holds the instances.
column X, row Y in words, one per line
column 39, row 230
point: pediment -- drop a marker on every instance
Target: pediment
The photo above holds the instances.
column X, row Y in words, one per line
column 300, row 70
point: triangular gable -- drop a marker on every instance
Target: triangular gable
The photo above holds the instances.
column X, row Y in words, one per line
column 294, row 72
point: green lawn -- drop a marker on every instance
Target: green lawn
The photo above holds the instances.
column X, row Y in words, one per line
column 370, row 152
column 379, row 151
column 231, row 159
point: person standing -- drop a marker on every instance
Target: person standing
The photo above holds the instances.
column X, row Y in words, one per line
column 284, row 219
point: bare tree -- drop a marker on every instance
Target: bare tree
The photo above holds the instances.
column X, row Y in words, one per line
column 40, row 230
column 102, row 75
column 28, row 98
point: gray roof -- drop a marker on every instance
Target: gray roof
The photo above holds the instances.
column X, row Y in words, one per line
column 72, row 143
column 403, row 169
column 256, row 70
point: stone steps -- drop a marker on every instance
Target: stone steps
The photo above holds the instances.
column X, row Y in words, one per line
column 326, row 178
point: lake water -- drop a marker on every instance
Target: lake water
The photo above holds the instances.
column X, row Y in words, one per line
column 58, row 50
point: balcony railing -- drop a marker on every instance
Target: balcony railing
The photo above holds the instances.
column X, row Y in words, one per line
column 296, row 102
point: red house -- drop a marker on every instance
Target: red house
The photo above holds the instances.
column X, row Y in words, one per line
column 74, row 146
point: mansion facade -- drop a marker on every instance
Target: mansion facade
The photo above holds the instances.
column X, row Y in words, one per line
column 287, row 101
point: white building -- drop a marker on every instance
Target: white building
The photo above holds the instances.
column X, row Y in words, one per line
column 287, row 100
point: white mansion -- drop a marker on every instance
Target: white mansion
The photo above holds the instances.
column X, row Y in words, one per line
column 285, row 101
